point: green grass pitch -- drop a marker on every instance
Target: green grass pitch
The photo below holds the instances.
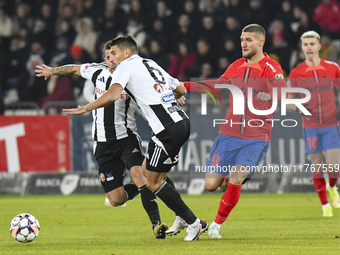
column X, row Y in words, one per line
column 259, row 224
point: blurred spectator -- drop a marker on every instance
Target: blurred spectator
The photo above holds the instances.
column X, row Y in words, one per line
column 206, row 71
column 257, row 14
column 193, row 13
column 286, row 13
column 157, row 53
column 328, row 50
column 92, row 10
column 15, row 59
column 6, row 24
column 159, row 33
column 61, row 56
column 204, row 55
column 223, row 64
column 22, row 17
column 36, row 48
column 115, row 14
column 236, row 9
column 48, row 17
column 59, row 88
column 165, row 14
column 66, row 30
column 297, row 57
column 232, row 28
column 210, row 32
column 184, row 32
column 41, row 34
column 180, row 60
column 212, row 8
column 137, row 12
column 281, row 50
column 231, row 50
column 32, row 88
column 67, row 14
column 77, row 6
column 86, row 37
column 278, row 29
column 136, row 29
column 327, row 15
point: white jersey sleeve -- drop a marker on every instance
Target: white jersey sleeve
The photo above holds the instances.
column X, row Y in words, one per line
column 121, row 74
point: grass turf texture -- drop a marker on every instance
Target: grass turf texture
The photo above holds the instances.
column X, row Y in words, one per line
column 260, row 224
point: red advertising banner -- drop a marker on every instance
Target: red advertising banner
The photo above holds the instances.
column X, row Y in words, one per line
column 35, row 143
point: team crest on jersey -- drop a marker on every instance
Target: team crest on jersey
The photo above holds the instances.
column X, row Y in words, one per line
column 158, row 88
column 279, row 76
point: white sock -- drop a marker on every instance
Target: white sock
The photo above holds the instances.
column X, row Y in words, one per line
column 332, row 187
column 326, row 205
column 217, row 225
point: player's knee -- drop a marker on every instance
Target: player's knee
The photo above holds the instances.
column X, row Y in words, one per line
column 236, row 181
column 116, row 201
column 210, row 186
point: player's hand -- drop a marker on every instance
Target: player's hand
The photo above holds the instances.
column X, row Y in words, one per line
column 264, row 96
column 308, row 109
column 337, row 116
column 181, row 100
column 43, row 71
column 79, row 110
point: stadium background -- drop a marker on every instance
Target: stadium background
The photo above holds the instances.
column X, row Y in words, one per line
column 192, row 38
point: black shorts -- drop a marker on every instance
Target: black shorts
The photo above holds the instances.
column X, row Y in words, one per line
column 164, row 147
column 114, row 156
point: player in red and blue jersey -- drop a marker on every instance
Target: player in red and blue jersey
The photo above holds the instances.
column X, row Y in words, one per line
column 321, row 78
column 243, row 141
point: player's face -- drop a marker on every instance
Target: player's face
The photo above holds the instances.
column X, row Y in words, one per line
column 310, row 47
column 117, row 55
column 251, row 44
column 111, row 65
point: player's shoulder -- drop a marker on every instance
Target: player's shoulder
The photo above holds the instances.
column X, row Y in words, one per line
column 297, row 70
column 329, row 64
column 270, row 63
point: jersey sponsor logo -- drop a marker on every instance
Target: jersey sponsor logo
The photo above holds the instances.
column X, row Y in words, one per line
column 279, row 76
column 124, row 96
column 168, row 98
column 174, row 108
column 100, row 91
column 158, row 88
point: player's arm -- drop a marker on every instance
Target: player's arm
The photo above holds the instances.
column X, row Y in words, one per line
column 47, row 71
column 107, row 98
column 179, row 91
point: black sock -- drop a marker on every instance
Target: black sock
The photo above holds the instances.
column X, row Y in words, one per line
column 150, row 205
column 173, row 200
column 169, row 181
column 131, row 191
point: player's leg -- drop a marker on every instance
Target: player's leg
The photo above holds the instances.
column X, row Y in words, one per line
column 111, row 172
column 133, row 157
column 222, row 157
column 331, row 146
column 320, row 183
column 248, row 155
column 162, row 155
column 313, row 139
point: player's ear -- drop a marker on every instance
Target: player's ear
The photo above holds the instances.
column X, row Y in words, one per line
column 262, row 42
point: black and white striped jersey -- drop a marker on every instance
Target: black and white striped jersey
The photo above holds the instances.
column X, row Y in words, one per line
column 114, row 121
column 151, row 87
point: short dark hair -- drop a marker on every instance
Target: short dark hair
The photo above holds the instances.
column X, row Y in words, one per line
column 106, row 47
column 255, row 28
column 125, row 41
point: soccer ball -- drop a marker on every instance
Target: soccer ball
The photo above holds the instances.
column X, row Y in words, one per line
column 24, row 227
